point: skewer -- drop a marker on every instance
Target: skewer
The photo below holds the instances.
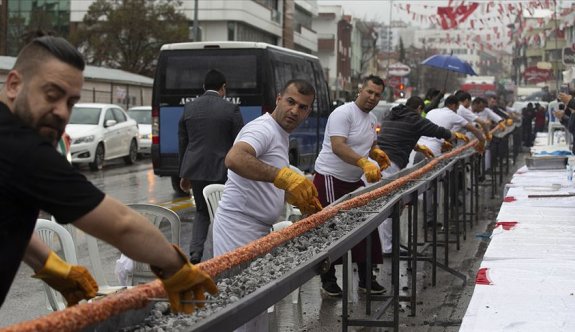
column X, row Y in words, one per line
column 163, row 299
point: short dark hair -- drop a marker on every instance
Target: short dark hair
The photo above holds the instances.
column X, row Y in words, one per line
column 431, row 92
column 375, row 79
column 479, row 100
column 414, row 102
column 462, row 95
column 302, row 86
column 451, row 100
column 39, row 49
column 214, row 80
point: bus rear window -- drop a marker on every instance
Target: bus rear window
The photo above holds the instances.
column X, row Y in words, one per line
column 186, row 71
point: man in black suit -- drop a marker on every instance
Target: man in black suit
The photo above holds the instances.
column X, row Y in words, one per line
column 207, row 130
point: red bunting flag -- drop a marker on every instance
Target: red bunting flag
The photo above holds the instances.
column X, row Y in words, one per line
column 451, row 17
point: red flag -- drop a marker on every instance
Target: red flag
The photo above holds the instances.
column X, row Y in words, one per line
column 451, row 17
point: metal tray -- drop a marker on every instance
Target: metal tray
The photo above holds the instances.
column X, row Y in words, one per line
column 546, row 162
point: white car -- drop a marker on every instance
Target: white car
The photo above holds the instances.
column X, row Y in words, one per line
column 143, row 116
column 101, row 132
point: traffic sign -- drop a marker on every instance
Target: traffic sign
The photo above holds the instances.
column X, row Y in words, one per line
column 568, row 56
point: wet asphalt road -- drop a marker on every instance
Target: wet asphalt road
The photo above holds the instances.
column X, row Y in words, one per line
column 440, row 308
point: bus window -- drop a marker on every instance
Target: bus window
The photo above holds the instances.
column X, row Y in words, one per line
column 186, row 72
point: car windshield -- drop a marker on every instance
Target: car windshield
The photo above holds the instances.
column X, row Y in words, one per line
column 141, row 116
column 85, row 115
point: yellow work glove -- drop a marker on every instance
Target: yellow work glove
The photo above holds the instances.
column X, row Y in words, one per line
column 74, row 282
column 381, row 157
column 372, row 172
column 299, row 190
column 488, row 136
column 425, row 150
column 509, row 122
column 480, row 147
column 446, row 146
column 460, row 136
column 501, row 126
column 189, row 283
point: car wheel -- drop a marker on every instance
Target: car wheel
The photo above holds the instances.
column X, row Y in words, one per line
column 176, row 187
column 99, row 156
column 133, row 154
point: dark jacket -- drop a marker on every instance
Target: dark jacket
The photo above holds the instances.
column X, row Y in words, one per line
column 207, row 130
column 400, row 131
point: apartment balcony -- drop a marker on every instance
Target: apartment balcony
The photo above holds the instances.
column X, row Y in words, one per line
column 306, row 38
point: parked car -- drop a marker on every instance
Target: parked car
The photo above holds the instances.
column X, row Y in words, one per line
column 143, row 116
column 100, row 132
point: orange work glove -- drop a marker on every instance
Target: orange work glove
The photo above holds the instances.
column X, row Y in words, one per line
column 501, row 125
column 480, row 147
column 446, row 146
column 189, row 283
column 488, row 136
column 381, row 157
column 372, row 172
column 509, row 122
column 460, row 136
column 74, row 282
column 425, row 150
column 299, row 190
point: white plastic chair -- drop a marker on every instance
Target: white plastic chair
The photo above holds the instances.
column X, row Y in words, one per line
column 212, row 194
column 97, row 270
column 156, row 215
column 57, row 238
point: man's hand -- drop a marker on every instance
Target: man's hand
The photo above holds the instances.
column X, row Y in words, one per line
column 480, row 147
column 501, row 126
column 372, row 172
column 460, row 136
column 74, row 282
column 381, row 157
column 299, row 190
column 564, row 97
column 425, row 150
column 185, row 185
column 446, row 146
column 488, row 136
column 509, row 122
column 189, row 283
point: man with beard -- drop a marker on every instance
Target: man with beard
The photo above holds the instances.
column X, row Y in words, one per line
column 350, row 138
column 35, row 105
column 260, row 179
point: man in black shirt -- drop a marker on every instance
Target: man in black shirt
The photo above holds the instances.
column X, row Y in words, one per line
column 400, row 131
column 35, row 105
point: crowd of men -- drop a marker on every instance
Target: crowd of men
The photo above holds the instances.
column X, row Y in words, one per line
column 251, row 160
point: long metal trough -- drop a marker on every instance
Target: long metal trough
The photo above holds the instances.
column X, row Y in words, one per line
column 248, row 307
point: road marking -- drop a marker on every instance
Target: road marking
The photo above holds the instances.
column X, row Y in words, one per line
column 179, row 203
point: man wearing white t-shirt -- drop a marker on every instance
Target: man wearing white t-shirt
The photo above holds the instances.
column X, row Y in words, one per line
column 350, row 138
column 479, row 107
column 260, row 180
column 447, row 118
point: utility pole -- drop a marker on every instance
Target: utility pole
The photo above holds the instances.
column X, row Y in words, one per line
column 196, row 23
column 556, row 48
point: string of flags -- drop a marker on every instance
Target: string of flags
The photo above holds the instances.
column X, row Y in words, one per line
column 485, row 24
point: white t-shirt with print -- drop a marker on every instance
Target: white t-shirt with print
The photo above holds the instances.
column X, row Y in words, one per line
column 248, row 208
column 445, row 118
column 358, row 127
